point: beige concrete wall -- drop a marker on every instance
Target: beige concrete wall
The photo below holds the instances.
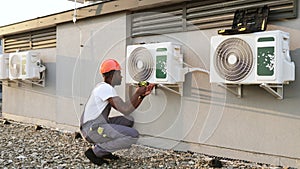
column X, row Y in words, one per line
column 31, row 101
column 206, row 118
column 81, row 47
column 208, row 115
column 72, row 71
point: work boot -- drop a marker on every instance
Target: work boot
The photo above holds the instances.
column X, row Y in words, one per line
column 93, row 158
column 110, row 156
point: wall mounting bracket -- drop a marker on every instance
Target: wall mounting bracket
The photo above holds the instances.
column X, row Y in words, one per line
column 39, row 82
column 177, row 89
column 235, row 89
column 21, row 82
column 8, row 82
column 276, row 90
column 174, row 88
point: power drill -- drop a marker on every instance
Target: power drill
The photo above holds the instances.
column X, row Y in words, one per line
column 143, row 83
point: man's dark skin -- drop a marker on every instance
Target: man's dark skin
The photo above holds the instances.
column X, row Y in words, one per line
column 116, row 102
column 114, row 78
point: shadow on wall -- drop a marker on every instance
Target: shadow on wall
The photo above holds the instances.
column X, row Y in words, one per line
column 292, row 90
column 255, row 99
column 295, row 56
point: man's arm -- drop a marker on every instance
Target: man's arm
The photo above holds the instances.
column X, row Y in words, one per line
column 128, row 107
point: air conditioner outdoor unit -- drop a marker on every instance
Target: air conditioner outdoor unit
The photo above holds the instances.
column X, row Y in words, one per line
column 24, row 65
column 4, row 66
column 255, row 58
column 160, row 63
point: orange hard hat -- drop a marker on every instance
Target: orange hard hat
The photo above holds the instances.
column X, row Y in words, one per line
column 109, row 65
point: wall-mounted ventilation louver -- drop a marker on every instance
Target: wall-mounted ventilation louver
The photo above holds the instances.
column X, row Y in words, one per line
column 199, row 15
column 160, row 63
column 39, row 39
column 25, row 65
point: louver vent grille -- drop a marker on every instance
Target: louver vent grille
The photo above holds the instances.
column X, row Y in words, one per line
column 45, row 38
column 195, row 15
column 158, row 21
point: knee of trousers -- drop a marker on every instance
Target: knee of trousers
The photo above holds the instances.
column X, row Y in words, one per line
column 134, row 133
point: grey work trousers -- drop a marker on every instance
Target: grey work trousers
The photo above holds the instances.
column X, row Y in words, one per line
column 110, row 134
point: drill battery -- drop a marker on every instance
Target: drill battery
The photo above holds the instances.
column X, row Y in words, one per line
column 143, row 83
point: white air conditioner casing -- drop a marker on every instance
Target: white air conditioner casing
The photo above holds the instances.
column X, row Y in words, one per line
column 4, row 58
column 254, row 58
column 24, row 65
column 160, row 63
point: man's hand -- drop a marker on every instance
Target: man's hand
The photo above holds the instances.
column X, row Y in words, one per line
column 149, row 89
column 145, row 90
column 140, row 91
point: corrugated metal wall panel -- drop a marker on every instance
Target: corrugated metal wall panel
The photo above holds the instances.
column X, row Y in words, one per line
column 45, row 38
column 163, row 20
column 278, row 10
column 195, row 15
column 283, row 10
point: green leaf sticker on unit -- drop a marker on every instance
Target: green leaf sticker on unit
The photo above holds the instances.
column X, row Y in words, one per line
column 265, row 61
column 161, row 66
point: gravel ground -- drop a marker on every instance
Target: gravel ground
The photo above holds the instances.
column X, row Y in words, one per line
column 26, row 146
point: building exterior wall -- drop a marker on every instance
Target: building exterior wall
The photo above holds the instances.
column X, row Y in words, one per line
column 210, row 116
column 78, row 62
column 31, row 103
column 72, row 71
column 207, row 118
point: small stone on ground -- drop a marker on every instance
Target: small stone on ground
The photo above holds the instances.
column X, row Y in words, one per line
column 23, row 146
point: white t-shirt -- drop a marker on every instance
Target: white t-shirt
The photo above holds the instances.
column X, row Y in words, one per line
column 98, row 101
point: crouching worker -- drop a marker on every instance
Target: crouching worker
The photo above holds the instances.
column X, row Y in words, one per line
column 109, row 134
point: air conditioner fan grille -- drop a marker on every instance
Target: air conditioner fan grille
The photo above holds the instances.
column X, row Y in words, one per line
column 233, row 59
column 15, row 66
column 140, row 64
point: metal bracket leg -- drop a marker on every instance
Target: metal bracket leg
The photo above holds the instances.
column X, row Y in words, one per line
column 238, row 89
column 278, row 93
